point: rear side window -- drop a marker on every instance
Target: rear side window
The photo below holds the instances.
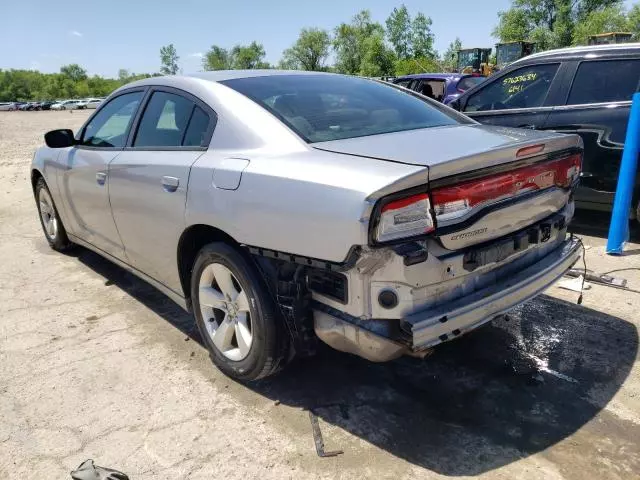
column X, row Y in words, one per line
column 333, row 107
column 468, row 82
column 170, row 120
column 605, row 81
column 197, row 130
column 526, row 87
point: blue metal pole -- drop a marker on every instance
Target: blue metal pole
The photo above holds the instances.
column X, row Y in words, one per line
column 619, row 227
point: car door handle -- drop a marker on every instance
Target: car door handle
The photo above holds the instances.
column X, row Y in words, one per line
column 170, row 184
column 101, row 178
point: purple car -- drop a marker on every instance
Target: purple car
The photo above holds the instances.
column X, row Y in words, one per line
column 443, row 87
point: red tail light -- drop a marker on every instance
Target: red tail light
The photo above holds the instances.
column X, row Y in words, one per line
column 406, row 217
column 456, row 201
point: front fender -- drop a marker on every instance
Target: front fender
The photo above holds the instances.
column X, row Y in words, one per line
column 46, row 163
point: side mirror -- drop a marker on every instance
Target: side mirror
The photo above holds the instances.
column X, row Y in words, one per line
column 59, row 138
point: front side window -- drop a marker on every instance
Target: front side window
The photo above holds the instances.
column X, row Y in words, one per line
column 605, row 81
column 333, row 107
column 526, row 87
column 110, row 125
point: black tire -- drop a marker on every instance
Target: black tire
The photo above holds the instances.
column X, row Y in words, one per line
column 58, row 240
column 270, row 343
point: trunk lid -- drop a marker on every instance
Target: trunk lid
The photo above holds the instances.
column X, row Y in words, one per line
column 452, row 149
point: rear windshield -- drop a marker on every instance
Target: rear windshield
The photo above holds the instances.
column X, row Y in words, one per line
column 332, row 107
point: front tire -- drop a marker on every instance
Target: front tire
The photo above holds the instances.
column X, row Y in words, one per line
column 52, row 226
column 236, row 315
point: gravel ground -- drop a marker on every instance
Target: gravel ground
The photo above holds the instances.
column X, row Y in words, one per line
column 97, row 364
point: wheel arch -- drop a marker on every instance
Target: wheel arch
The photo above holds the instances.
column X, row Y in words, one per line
column 191, row 241
column 36, row 175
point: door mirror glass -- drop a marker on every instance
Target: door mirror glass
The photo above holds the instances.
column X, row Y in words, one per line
column 525, row 87
column 59, row 138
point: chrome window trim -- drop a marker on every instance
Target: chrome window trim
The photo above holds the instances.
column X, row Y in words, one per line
column 510, row 110
column 582, row 106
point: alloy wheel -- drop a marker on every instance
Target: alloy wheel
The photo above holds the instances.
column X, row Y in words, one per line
column 224, row 306
column 48, row 214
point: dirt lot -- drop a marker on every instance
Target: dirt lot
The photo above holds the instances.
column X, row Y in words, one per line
column 96, row 364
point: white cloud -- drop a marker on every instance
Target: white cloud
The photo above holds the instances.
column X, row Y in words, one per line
column 75, row 33
column 196, row 55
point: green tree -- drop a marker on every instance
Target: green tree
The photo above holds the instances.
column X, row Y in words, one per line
column 377, row 60
column 217, row 58
column 309, row 52
column 422, row 37
column 169, row 60
column 564, row 23
column 633, row 21
column 450, row 57
column 123, row 74
column 551, row 23
column 513, row 26
column 74, row 72
column 408, row 66
column 246, row 57
column 347, row 48
column 72, row 82
column 352, row 40
column 399, row 31
column 609, row 19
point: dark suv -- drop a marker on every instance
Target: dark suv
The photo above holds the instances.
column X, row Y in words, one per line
column 583, row 90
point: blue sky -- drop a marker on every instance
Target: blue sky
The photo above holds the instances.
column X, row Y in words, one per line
column 106, row 36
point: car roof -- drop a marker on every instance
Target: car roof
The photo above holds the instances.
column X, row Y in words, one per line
column 590, row 51
column 218, row 76
column 434, row 75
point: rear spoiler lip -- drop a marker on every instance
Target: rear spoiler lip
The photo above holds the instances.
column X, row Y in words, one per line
column 487, row 161
column 502, row 167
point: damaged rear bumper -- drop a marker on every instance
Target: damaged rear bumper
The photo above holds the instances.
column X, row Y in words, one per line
column 449, row 320
column 375, row 340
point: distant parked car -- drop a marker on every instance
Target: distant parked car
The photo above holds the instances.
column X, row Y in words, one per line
column 82, row 104
column 583, row 90
column 93, row 103
column 46, row 105
column 27, row 106
column 65, row 105
column 443, row 87
column 7, row 106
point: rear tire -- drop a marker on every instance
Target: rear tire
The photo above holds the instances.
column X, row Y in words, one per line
column 236, row 316
column 52, row 226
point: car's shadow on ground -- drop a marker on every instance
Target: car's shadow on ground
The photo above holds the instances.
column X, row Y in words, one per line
column 507, row 391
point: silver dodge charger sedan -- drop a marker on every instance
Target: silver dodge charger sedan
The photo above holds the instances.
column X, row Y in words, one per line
column 284, row 207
